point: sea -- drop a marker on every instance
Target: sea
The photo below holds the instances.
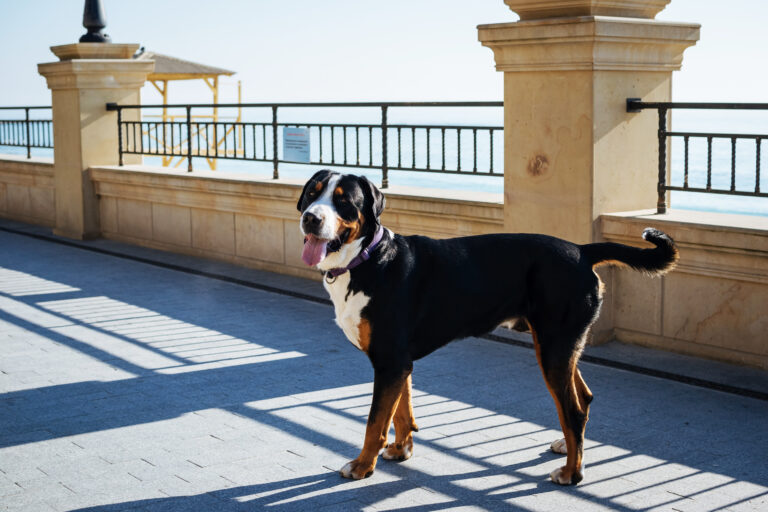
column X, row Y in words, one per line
column 748, row 167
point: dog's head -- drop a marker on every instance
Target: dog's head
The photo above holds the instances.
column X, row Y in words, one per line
column 338, row 212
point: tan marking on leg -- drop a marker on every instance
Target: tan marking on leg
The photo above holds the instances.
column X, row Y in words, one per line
column 364, row 334
column 376, row 433
column 405, row 425
column 585, row 394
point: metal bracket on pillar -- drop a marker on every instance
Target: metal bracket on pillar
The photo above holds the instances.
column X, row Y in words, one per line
column 633, row 105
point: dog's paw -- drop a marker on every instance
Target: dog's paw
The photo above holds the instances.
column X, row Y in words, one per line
column 398, row 451
column 357, row 470
column 558, row 446
column 564, row 476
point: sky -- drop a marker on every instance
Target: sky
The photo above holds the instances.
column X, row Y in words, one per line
column 355, row 50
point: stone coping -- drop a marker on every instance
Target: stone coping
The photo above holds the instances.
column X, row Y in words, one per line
column 401, row 192
column 36, row 160
column 95, row 51
column 716, row 221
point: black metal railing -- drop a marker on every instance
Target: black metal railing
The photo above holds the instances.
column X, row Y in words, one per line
column 26, row 133
column 635, row 105
column 439, row 148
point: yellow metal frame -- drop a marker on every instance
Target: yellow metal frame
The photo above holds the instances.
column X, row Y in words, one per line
column 212, row 81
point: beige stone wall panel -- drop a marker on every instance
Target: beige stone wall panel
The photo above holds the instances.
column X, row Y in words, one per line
column 43, row 203
column 639, row 304
column 19, row 202
column 134, row 218
column 172, row 224
column 108, row 215
column 294, row 244
column 213, row 231
column 260, row 238
column 717, row 311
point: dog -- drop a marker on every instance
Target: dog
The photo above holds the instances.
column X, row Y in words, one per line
column 398, row 298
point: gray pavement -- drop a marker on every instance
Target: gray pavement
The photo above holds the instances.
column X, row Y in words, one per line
column 128, row 386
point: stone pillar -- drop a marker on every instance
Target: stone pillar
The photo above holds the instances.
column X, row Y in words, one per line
column 571, row 150
column 88, row 76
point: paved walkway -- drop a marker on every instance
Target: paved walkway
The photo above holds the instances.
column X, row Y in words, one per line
column 127, row 386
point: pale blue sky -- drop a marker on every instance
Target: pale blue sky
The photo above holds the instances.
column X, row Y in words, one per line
column 355, row 50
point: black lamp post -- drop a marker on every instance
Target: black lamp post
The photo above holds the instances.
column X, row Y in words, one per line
column 94, row 21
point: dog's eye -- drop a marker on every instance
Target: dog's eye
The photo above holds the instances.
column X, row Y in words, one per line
column 343, row 200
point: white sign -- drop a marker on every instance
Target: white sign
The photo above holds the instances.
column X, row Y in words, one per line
column 296, row 144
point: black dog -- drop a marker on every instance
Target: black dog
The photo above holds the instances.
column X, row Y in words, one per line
column 398, row 298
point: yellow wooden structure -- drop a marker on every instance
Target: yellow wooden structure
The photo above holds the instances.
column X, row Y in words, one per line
column 168, row 69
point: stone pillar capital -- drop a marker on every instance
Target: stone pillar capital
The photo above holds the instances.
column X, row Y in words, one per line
column 96, row 73
column 597, row 43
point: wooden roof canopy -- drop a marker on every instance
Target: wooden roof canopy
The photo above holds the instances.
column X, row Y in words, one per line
column 173, row 68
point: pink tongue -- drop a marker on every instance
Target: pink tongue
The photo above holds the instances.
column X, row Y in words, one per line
column 314, row 250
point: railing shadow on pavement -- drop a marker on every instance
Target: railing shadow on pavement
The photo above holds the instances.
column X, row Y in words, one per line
column 320, row 394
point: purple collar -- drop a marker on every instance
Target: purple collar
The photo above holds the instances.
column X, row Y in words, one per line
column 362, row 257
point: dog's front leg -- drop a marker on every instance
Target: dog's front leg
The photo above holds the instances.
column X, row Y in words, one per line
column 387, row 387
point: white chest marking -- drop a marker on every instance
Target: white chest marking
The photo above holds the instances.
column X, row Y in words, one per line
column 347, row 306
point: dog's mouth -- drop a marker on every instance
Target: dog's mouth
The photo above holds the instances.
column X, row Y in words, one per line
column 316, row 249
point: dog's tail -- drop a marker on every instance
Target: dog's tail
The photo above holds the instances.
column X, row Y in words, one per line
column 656, row 261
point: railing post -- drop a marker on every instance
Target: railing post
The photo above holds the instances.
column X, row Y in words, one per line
column 29, row 146
column 275, row 174
column 189, row 138
column 661, row 204
column 384, row 163
column 120, row 136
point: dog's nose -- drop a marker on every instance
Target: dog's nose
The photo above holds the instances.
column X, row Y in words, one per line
column 310, row 221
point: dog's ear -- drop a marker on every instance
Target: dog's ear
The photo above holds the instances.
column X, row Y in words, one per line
column 318, row 176
column 374, row 196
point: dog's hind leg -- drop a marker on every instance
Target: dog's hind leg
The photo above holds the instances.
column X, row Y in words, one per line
column 405, row 426
column 557, row 354
column 585, row 398
column 387, row 388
